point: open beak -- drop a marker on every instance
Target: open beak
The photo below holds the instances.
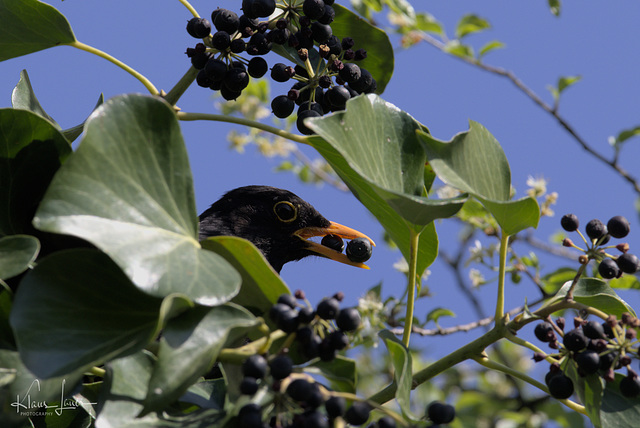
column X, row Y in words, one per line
column 333, row 229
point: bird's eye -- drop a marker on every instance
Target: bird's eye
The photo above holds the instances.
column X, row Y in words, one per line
column 285, row 211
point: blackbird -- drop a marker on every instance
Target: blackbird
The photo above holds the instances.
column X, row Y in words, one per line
column 277, row 222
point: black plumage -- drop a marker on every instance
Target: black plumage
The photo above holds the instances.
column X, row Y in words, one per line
column 277, row 222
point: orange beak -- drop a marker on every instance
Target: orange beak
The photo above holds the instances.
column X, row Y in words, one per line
column 333, row 229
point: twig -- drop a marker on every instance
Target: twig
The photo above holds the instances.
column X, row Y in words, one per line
column 553, row 111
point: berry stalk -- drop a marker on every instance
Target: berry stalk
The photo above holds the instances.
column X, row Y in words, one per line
column 502, row 266
column 242, row 121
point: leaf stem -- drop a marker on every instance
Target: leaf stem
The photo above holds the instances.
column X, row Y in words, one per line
column 146, row 82
column 242, row 121
column 179, row 88
column 486, row 362
column 97, row 371
column 411, row 286
column 504, row 247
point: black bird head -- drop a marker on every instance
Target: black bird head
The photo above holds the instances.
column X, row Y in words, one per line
column 277, row 222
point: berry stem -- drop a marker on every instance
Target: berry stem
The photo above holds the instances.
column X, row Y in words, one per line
column 192, row 9
column 242, row 121
column 504, row 247
column 411, row 286
column 486, row 362
column 581, row 269
column 146, row 82
column 515, row 339
column 179, row 88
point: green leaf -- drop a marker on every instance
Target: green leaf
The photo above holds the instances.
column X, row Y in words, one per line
column 555, row 280
column 563, row 83
column 125, row 388
column 17, row 254
column 373, row 147
column 596, row 293
column 128, row 190
column 23, row 97
column 342, row 372
column 402, row 376
column 189, row 345
column 380, row 58
column 492, row 45
column 624, row 136
column 61, row 324
column 625, row 282
column 618, row 411
column 554, row 6
column 261, row 285
column 74, row 132
column 470, row 24
column 428, row 23
column 456, row 48
column 589, row 389
column 474, row 162
column 31, row 151
column 28, row 26
column 437, row 313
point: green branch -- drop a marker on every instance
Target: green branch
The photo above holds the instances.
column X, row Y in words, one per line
column 242, row 121
column 179, row 88
column 146, row 82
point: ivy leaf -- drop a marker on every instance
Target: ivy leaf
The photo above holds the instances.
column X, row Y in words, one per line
column 342, row 372
column 470, row 24
column 30, row 26
column 17, row 254
column 61, row 325
column 380, row 57
column 189, row 345
column 261, row 285
column 23, row 97
column 618, row 411
column 31, row 151
column 596, row 293
column 373, row 147
column 128, row 190
column 473, row 162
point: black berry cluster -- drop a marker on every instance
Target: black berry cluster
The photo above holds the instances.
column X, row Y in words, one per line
column 320, row 332
column 326, row 75
column 296, row 400
column 359, row 250
column 594, row 348
column 599, row 235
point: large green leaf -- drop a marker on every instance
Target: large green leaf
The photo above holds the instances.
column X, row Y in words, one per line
column 128, row 190
column 342, row 372
column 31, row 151
column 380, row 60
column 75, row 309
column 618, row 411
column 596, row 293
column 474, row 162
column 189, row 345
column 261, row 285
column 373, row 147
column 28, row 26
column 17, row 254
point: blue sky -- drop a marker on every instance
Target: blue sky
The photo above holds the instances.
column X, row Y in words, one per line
column 595, row 40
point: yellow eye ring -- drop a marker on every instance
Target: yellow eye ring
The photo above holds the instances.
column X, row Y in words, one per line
column 285, row 211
